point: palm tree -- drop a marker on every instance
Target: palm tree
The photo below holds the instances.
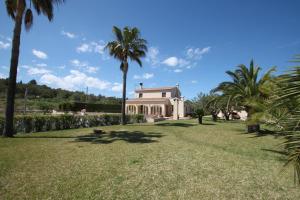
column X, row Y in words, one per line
column 127, row 45
column 18, row 10
column 246, row 88
column 289, row 97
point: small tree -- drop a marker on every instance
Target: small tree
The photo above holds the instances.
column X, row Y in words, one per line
column 200, row 114
column 46, row 107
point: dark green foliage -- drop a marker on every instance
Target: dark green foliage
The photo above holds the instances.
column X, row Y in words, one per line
column 39, row 123
column 90, row 107
column 200, row 113
column 43, row 92
column 42, row 97
column 46, row 106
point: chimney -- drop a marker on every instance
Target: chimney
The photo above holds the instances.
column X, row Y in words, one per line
column 141, row 85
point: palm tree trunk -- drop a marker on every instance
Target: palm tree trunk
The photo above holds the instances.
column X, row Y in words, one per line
column 252, row 128
column 124, row 97
column 11, row 90
column 199, row 119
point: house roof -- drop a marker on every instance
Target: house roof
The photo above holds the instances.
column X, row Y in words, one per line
column 148, row 101
column 155, row 89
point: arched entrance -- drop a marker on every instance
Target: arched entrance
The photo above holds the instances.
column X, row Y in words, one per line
column 156, row 110
column 131, row 109
column 142, row 109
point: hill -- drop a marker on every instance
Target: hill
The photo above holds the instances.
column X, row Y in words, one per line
column 39, row 96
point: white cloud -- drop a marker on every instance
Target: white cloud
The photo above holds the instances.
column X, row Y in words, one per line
column 178, row 70
column 96, row 47
column 183, row 62
column 148, row 75
column 171, row 61
column 37, row 71
column 41, row 65
column 117, row 87
column 4, row 45
column 144, row 76
column 39, row 54
column 197, row 53
column 77, row 63
column 91, row 69
column 83, row 48
column 190, row 59
column 74, row 81
column 194, row 81
column 152, row 56
column 84, row 66
column 176, row 62
column 68, row 34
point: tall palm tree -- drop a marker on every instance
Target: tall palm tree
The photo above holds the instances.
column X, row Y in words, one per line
column 246, row 88
column 127, row 45
column 19, row 10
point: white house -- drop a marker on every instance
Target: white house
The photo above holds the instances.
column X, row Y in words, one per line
column 157, row 102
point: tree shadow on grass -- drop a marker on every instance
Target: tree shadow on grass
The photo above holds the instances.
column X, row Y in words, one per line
column 265, row 132
column 185, row 125
column 207, row 124
column 42, row 137
column 127, row 136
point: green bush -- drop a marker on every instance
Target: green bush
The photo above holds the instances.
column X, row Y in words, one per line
column 90, row 107
column 39, row 123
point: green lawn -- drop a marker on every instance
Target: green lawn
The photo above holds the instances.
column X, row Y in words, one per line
column 168, row 160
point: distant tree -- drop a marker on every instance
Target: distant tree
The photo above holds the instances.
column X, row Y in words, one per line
column 32, row 82
column 127, row 45
column 46, row 107
column 19, row 11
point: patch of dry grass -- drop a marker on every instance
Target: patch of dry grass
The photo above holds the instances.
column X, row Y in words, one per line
column 168, row 160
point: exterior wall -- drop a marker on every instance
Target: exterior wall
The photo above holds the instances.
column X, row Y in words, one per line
column 243, row 114
column 181, row 110
column 178, row 108
column 153, row 94
column 158, row 94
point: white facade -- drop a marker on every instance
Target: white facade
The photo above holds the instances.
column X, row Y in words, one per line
column 157, row 102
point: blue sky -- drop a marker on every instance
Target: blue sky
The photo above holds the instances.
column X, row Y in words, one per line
column 191, row 42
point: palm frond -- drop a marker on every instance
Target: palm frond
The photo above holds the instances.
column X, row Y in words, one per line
column 11, row 7
column 128, row 44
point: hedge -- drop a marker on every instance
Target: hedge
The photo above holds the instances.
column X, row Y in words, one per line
column 39, row 123
column 90, row 107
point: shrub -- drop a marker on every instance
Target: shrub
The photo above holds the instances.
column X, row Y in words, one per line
column 90, row 107
column 38, row 123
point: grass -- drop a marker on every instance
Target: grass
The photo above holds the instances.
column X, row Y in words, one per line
column 167, row 160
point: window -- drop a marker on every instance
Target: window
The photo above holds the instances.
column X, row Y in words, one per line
column 163, row 94
column 140, row 95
